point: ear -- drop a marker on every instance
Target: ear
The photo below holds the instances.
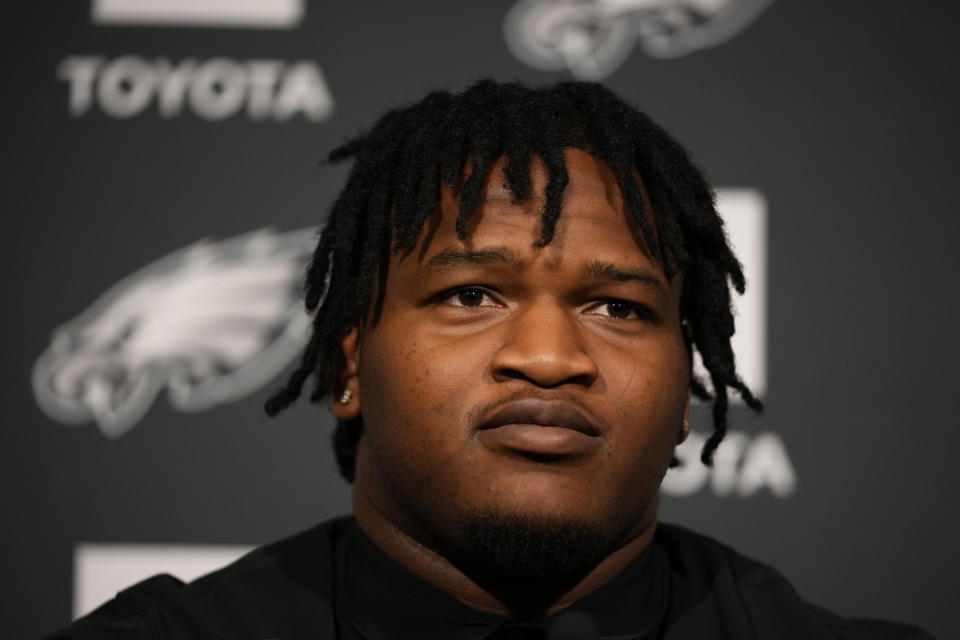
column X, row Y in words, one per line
column 685, row 427
column 345, row 396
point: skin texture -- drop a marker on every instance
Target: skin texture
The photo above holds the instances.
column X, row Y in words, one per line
column 588, row 324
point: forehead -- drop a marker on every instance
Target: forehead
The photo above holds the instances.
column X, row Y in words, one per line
column 589, row 178
column 592, row 213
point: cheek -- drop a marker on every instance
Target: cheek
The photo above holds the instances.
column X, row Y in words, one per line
column 647, row 375
column 650, row 393
column 392, row 382
column 413, row 394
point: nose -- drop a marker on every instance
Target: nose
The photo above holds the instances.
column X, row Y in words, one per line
column 544, row 346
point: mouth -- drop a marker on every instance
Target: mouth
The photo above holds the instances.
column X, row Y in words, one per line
column 540, row 430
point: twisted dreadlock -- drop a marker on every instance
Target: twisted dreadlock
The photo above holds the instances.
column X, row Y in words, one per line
column 395, row 185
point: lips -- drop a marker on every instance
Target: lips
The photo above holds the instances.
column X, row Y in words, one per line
column 547, row 429
column 543, row 413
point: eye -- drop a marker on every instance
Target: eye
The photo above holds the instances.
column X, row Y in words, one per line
column 469, row 297
column 620, row 310
column 617, row 310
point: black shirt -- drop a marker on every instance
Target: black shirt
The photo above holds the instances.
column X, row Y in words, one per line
column 332, row 582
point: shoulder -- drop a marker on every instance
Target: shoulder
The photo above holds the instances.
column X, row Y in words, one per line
column 288, row 583
column 719, row 592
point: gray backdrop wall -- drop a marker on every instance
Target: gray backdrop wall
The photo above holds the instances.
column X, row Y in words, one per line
column 129, row 139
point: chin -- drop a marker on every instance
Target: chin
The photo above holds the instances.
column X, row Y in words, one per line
column 524, row 545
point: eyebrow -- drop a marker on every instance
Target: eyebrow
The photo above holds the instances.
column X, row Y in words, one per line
column 456, row 257
column 503, row 255
column 607, row 271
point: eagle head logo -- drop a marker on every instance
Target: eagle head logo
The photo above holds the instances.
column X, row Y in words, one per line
column 592, row 38
column 209, row 323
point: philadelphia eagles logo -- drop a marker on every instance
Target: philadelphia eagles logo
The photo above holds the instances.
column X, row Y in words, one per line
column 209, row 324
column 592, row 38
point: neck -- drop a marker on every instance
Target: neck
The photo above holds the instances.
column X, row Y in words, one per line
column 505, row 596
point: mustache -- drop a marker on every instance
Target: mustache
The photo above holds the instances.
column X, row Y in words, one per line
column 477, row 417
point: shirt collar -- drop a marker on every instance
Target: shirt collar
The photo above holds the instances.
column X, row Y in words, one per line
column 380, row 600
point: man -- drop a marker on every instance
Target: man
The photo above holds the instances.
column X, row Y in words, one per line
column 505, row 302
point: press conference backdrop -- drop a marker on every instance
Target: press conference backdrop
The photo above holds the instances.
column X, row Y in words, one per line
column 162, row 188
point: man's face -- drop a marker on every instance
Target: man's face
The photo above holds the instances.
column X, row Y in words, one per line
column 513, row 381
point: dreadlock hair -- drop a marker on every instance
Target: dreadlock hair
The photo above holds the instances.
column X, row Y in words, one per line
column 412, row 152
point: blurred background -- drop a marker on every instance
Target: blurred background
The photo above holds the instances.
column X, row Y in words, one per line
column 162, row 183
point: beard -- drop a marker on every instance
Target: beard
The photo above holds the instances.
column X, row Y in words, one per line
column 527, row 546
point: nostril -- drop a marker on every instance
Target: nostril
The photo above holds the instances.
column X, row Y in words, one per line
column 577, row 369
